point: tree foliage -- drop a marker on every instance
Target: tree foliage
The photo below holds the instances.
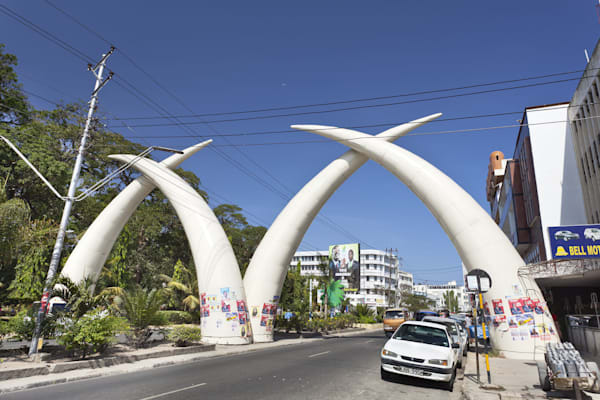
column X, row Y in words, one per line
column 415, row 302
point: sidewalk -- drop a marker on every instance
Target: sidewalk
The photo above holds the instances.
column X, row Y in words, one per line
column 511, row 379
column 98, row 369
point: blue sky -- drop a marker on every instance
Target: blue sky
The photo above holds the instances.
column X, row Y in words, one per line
column 233, row 56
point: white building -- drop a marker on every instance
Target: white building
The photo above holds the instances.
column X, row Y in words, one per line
column 381, row 280
column 539, row 186
column 584, row 110
column 437, row 293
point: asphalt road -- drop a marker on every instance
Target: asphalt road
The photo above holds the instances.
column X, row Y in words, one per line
column 335, row 368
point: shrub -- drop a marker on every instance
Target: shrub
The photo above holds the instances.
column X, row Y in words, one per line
column 185, row 335
column 140, row 307
column 3, row 330
column 175, row 317
column 91, row 333
column 22, row 325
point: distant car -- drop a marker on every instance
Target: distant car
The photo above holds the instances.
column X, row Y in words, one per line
column 565, row 235
column 419, row 315
column 392, row 319
column 453, row 329
column 423, row 350
column 592, row 234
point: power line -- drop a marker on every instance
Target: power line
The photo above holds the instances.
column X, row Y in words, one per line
column 260, row 117
column 148, row 101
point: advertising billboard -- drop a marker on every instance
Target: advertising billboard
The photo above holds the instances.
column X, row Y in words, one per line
column 344, row 260
column 575, row 241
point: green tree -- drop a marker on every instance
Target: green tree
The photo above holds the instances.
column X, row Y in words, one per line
column 415, row 302
column 140, row 306
column 14, row 107
column 451, row 301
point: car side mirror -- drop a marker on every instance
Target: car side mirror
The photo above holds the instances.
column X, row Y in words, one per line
column 455, row 345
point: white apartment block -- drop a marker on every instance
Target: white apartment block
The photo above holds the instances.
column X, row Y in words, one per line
column 437, row 293
column 381, row 280
column 584, row 119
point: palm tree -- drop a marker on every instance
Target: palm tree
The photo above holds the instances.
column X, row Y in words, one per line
column 183, row 281
column 140, row 306
column 80, row 297
column 363, row 313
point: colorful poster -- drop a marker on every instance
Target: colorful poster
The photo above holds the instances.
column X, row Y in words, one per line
column 486, row 308
column 514, row 334
column 243, row 318
column 512, row 322
column 225, row 306
column 538, row 306
column 203, row 299
column 243, row 330
column 498, row 319
column 516, row 306
column 231, row 316
column 254, row 311
column 263, row 320
column 206, row 310
column 527, row 304
column 266, row 309
column 525, row 319
column 241, row 305
column 498, row 306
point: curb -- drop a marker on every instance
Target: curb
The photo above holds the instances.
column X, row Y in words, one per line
column 164, row 363
column 99, row 363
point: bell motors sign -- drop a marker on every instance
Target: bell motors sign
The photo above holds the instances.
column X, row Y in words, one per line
column 576, row 241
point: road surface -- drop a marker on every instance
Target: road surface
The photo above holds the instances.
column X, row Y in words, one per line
column 333, row 368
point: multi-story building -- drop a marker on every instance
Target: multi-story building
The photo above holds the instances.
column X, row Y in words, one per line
column 438, row 294
column 381, row 280
column 539, row 186
column 584, row 120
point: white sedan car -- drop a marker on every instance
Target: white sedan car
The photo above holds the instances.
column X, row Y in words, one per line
column 453, row 329
column 421, row 349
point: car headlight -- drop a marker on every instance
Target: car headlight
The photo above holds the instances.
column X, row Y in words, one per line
column 388, row 353
column 439, row 362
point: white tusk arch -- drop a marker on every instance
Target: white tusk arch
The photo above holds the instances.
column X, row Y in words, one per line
column 267, row 270
column 480, row 243
column 92, row 250
column 219, row 279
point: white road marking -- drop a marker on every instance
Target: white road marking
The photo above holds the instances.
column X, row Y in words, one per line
column 156, row 396
column 319, row 354
column 369, row 341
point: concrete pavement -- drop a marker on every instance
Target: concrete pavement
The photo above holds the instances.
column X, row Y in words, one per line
column 333, row 368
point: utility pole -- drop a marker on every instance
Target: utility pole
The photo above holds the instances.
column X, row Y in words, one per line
column 37, row 340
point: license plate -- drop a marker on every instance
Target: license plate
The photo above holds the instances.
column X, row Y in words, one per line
column 407, row 370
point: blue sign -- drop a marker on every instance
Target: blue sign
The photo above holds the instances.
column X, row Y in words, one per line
column 576, row 241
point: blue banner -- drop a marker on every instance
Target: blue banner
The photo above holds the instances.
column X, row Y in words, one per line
column 576, row 241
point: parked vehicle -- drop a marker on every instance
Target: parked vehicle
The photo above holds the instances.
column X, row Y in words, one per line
column 419, row 315
column 392, row 319
column 565, row 235
column 423, row 350
column 592, row 234
column 453, row 329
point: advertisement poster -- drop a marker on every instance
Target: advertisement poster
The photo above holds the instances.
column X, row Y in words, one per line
column 263, row 320
column 512, row 322
column 516, row 306
column 574, row 241
column 243, row 318
column 203, row 301
column 344, row 261
column 266, row 310
column 232, row 316
column 241, row 305
column 206, row 310
column 498, row 306
column 486, row 308
column 514, row 334
column 498, row 319
column 527, row 304
column 254, row 311
column 538, row 306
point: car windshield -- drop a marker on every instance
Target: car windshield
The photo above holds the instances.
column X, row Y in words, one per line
column 451, row 326
column 393, row 314
column 422, row 334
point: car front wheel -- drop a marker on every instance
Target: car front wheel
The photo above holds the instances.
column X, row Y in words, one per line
column 449, row 386
column 386, row 376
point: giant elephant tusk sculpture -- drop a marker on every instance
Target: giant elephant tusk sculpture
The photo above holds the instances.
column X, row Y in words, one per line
column 91, row 252
column 267, row 270
column 216, row 266
column 480, row 243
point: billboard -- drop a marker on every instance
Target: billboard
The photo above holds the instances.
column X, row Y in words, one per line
column 344, row 260
column 575, row 241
